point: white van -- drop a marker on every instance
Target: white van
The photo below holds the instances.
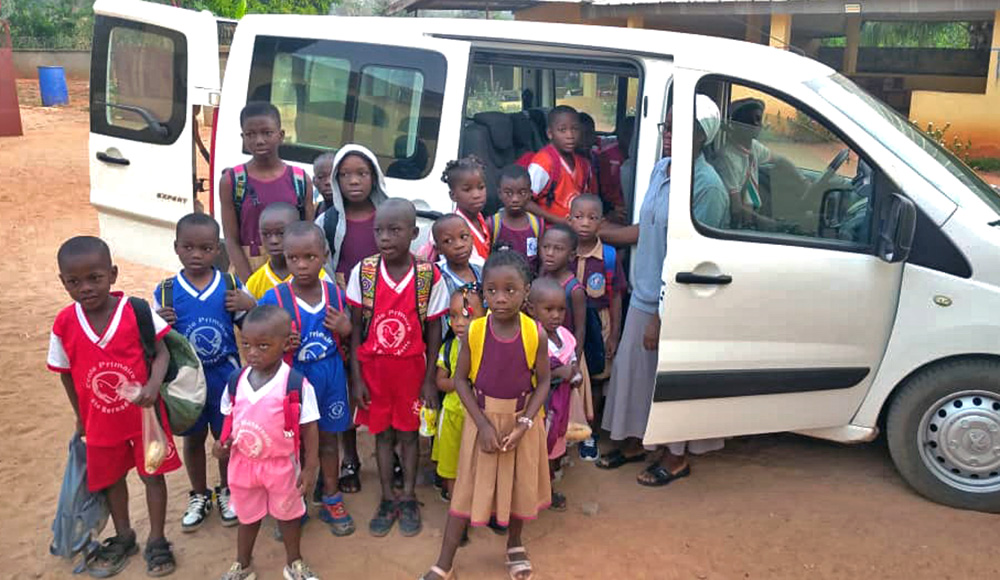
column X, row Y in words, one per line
column 871, row 300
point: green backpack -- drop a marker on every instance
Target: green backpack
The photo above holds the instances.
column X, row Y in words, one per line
column 184, row 390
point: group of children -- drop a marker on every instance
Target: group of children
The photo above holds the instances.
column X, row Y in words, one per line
column 340, row 326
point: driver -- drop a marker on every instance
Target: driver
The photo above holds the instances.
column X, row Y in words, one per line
column 738, row 164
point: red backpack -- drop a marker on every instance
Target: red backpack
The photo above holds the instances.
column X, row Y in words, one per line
column 292, row 405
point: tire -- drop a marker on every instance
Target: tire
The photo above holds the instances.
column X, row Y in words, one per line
column 943, row 430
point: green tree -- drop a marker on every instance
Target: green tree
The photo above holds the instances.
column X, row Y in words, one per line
column 53, row 24
column 238, row 8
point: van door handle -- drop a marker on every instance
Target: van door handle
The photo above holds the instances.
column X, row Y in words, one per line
column 692, row 278
column 102, row 156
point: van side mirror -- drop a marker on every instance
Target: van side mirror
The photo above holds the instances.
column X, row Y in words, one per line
column 897, row 225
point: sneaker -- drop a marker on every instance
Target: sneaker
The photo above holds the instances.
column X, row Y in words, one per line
column 238, row 572
column 298, row 570
column 384, row 518
column 444, row 495
column 335, row 513
column 199, row 506
column 410, row 523
column 588, row 450
column 226, row 511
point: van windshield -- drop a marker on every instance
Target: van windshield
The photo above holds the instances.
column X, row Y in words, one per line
column 912, row 145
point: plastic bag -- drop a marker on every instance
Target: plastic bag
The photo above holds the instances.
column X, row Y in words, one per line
column 154, row 439
column 577, row 430
column 80, row 514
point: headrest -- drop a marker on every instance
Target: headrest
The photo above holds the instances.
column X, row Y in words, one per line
column 500, row 127
column 524, row 130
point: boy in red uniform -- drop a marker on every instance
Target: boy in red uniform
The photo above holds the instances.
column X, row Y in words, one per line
column 95, row 346
column 558, row 173
column 397, row 304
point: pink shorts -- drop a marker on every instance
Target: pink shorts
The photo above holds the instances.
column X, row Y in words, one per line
column 260, row 487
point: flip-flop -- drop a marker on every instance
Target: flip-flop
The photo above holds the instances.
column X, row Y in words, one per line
column 662, row 476
column 616, row 459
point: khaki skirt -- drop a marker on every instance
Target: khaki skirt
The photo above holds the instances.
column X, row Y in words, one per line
column 507, row 484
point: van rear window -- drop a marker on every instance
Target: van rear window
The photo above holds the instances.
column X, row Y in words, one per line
column 332, row 93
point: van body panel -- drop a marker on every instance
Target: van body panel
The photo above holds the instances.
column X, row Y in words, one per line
column 790, row 311
column 427, row 193
column 925, row 331
column 141, row 180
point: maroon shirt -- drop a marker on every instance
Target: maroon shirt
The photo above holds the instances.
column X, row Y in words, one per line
column 260, row 194
column 503, row 370
column 594, row 279
column 358, row 244
column 524, row 242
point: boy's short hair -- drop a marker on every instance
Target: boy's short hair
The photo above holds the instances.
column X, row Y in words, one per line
column 260, row 109
column 587, row 198
column 587, row 120
column 561, row 227
column 280, row 207
column 398, row 204
column 514, row 172
column 197, row 219
column 269, row 314
column 559, row 110
column 78, row 246
column 448, row 217
column 325, row 156
column 542, row 285
column 304, row 228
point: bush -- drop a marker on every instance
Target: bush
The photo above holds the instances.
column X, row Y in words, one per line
column 53, row 24
column 987, row 164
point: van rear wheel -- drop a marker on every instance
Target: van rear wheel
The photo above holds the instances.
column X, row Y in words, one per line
column 944, row 434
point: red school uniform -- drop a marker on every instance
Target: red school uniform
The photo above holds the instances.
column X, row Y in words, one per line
column 99, row 365
column 554, row 184
column 393, row 356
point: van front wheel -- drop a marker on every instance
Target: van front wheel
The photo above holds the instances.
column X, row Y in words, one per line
column 944, row 434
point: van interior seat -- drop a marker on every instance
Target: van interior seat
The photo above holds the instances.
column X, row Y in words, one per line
column 408, row 166
column 526, row 137
column 490, row 137
column 540, row 117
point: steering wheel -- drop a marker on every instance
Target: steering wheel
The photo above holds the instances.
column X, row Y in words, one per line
column 831, row 171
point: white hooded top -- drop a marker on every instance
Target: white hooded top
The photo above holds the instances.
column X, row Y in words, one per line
column 378, row 195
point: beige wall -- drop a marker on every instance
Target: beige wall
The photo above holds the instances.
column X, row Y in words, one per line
column 75, row 62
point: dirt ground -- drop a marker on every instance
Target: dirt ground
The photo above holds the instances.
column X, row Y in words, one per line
column 770, row 507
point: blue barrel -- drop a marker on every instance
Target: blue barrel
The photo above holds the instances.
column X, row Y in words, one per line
column 52, row 85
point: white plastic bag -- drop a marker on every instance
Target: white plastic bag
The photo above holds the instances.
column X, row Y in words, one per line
column 154, row 439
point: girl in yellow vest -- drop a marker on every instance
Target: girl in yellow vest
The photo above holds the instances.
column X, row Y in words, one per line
column 502, row 378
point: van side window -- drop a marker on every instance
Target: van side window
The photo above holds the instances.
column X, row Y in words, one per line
column 785, row 174
column 331, row 93
column 138, row 81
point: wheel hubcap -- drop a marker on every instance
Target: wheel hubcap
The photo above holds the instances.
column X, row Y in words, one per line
column 959, row 439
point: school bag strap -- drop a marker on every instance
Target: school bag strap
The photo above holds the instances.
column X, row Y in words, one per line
column 449, row 345
column 424, row 284
column 166, row 293
column 299, row 183
column 533, row 223
column 568, row 287
column 477, row 338
column 330, row 218
column 147, row 331
column 609, row 257
column 238, row 177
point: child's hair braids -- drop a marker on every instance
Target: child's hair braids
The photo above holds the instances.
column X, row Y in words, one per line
column 458, row 166
column 507, row 257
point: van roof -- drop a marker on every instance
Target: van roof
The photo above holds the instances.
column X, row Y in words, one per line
column 687, row 50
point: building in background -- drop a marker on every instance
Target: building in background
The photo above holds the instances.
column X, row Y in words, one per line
column 933, row 60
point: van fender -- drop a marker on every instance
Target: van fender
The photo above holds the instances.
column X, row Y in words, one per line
column 939, row 317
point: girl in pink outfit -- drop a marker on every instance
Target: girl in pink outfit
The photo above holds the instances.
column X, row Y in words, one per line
column 266, row 406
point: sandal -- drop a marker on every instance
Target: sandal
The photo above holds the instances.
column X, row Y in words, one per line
column 661, row 476
column 111, row 557
column 350, row 481
column 616, row 459
column 159, row 559
column 516, row 569
column 558, row 503
column 441, row 574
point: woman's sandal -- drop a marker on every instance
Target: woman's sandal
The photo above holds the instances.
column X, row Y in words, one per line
column 441, row 574
column 661, row 475
column 516, row 569
column 350, row 481
column 616, row 459
column 159, row 559
column 111, row 557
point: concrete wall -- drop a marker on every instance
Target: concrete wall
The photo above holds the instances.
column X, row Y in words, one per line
column 76, row 62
